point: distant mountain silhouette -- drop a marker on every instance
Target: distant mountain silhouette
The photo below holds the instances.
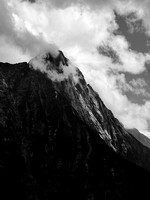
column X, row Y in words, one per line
column 140, row 137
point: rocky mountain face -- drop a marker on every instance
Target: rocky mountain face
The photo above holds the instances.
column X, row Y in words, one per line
column 59, row 141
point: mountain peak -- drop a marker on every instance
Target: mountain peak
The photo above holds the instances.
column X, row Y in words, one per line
column 53, row 63
column 59, row 141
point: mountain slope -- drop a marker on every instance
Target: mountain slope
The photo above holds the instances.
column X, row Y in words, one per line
column 140, row 137
column 69, row 81
column 59, row 141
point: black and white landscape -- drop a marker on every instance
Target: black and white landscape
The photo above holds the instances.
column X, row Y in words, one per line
column 74, row 99
column 58, row 139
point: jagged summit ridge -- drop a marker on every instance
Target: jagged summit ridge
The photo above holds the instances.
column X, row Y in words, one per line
column 55, row 65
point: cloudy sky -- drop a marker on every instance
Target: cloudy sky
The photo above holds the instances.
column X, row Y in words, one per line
column 109, row 40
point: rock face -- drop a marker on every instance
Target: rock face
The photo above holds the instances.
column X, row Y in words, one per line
column 59, row 141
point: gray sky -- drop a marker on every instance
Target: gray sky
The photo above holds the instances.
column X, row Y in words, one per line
column 109, row 40
column 135, row 34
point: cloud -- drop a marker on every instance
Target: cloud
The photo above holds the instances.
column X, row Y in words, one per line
column 136, row 86
column 63, row 4
column 64, row 69
column 79, row 28
column 109, row 52
column 140, row 10
column 10, row 53
column 134, row 24
column 24, row 40
column 130, row 114
column 138, row 83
